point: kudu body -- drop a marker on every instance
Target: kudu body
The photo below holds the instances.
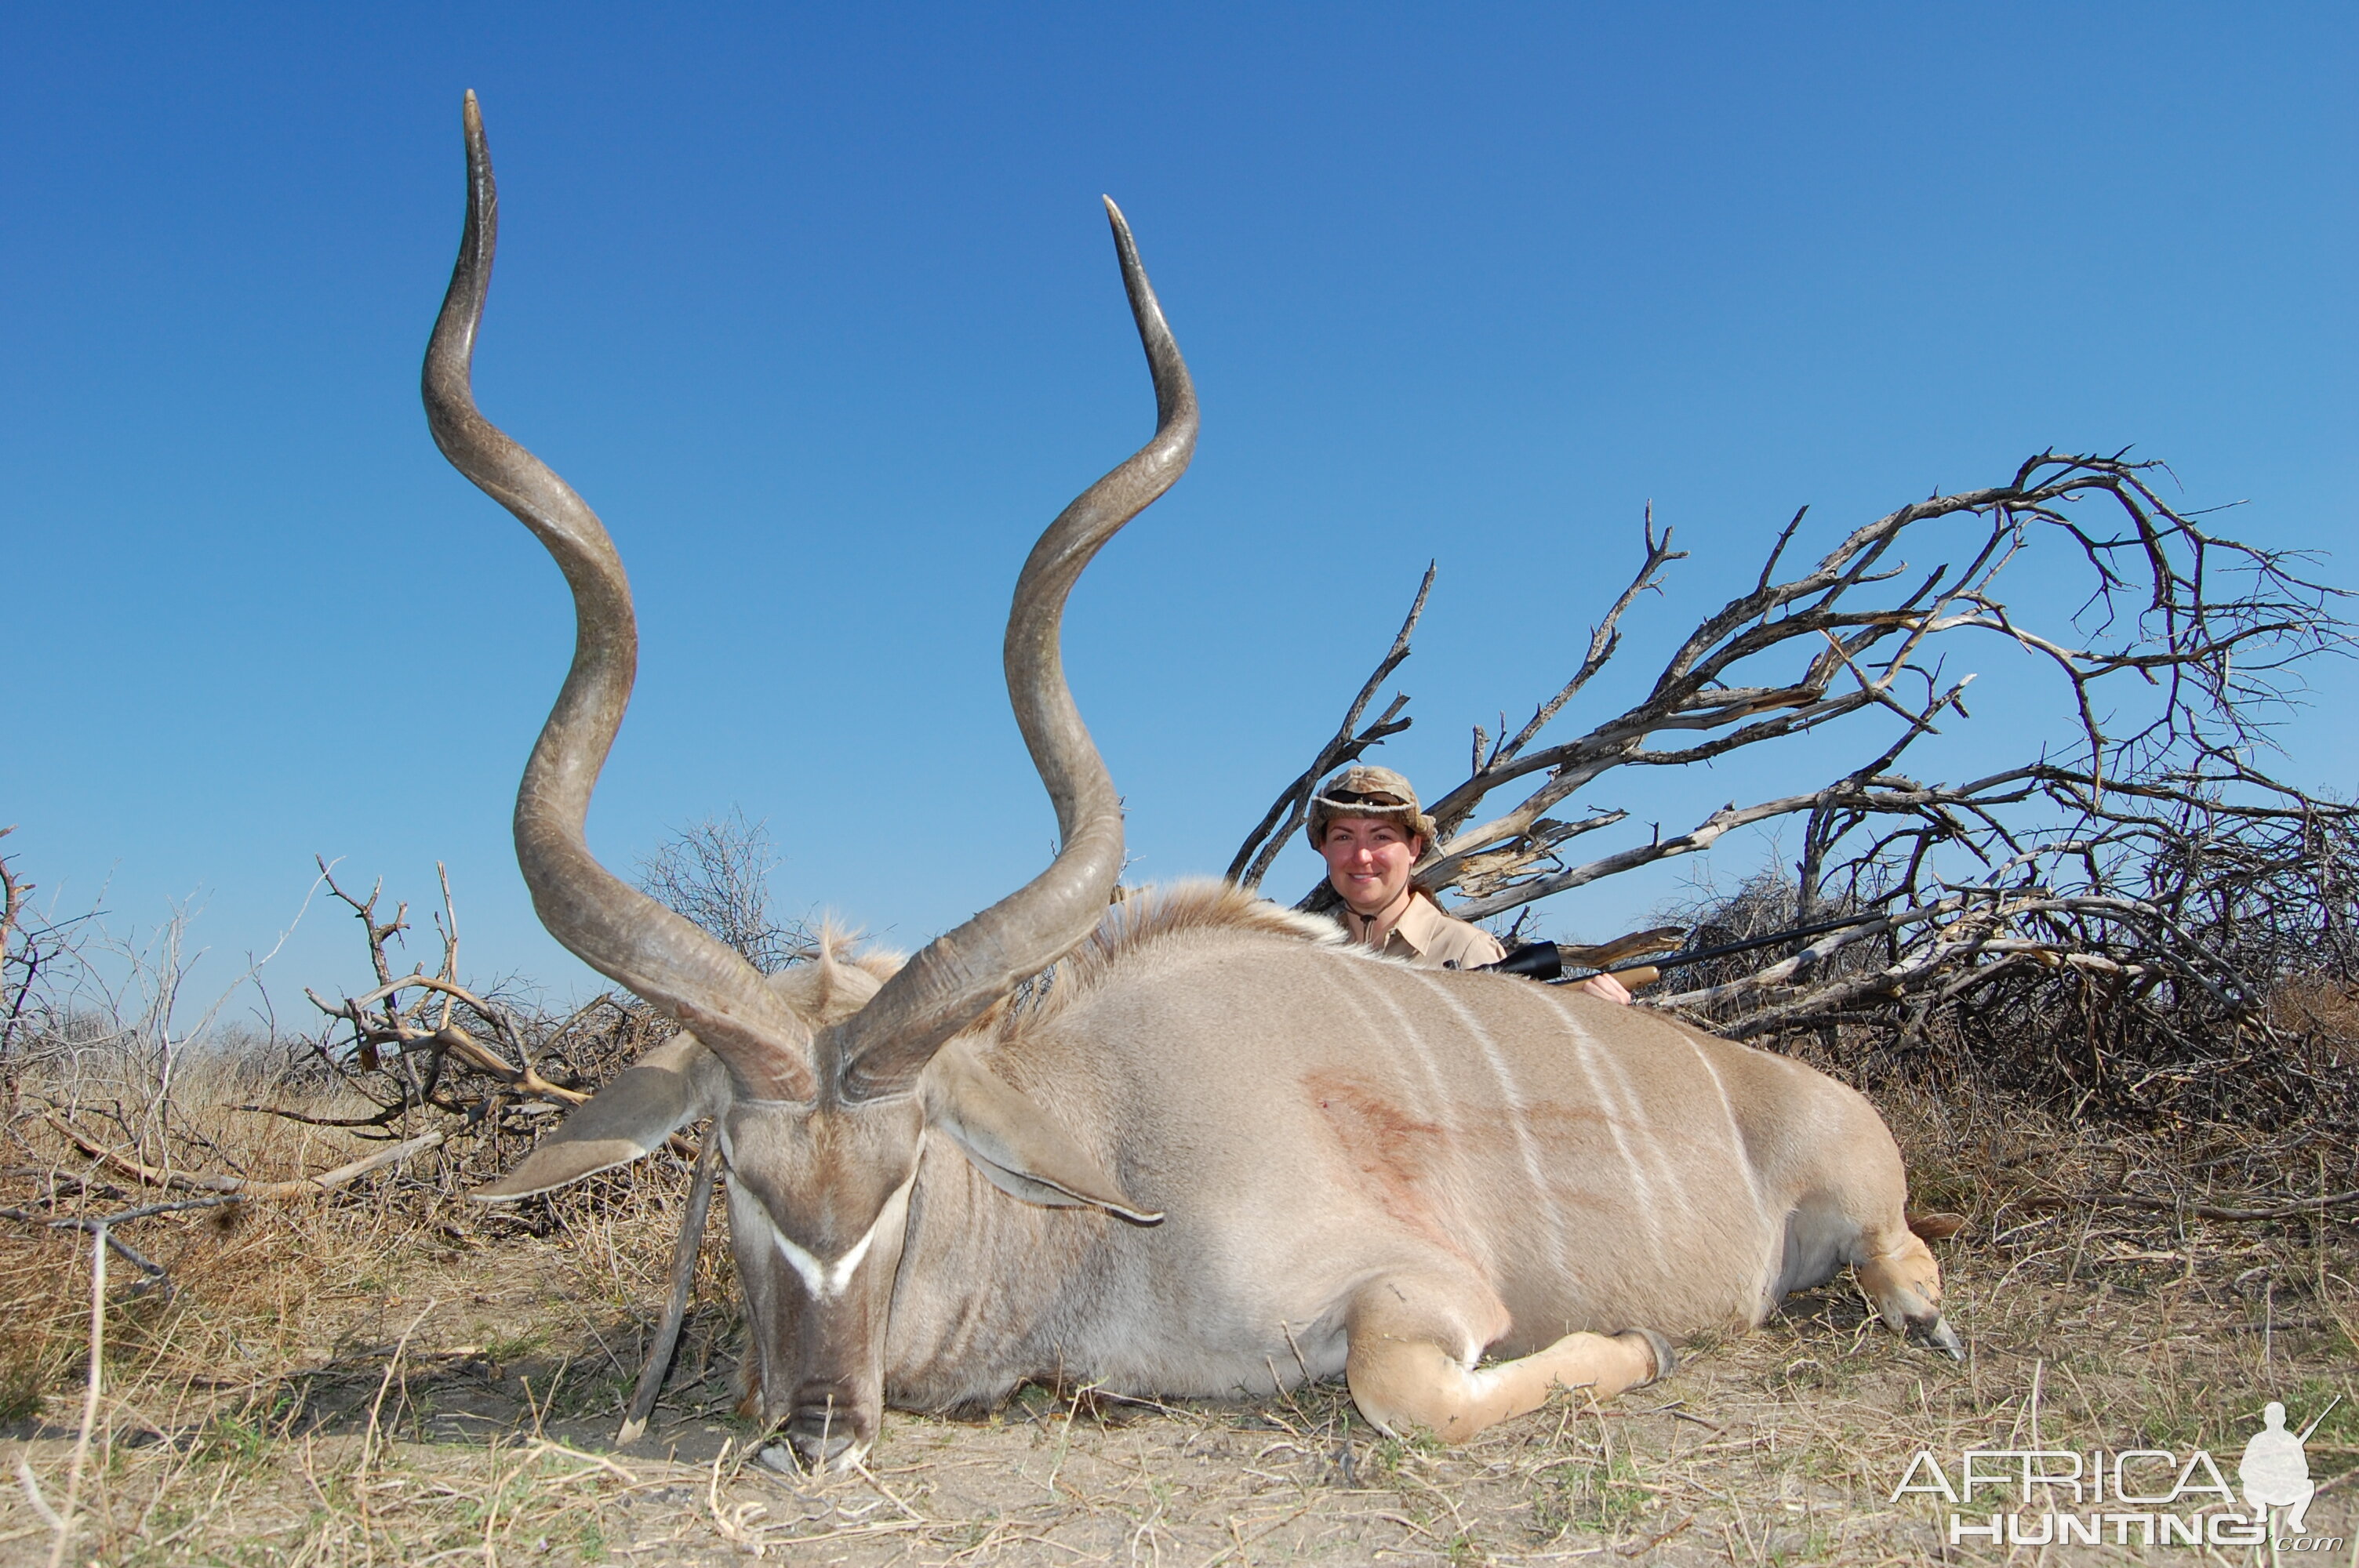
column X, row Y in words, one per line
column 1223, row 1151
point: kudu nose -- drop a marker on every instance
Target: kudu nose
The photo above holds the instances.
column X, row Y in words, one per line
column 826, row 1425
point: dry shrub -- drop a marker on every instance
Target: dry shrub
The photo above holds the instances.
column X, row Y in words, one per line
column 2322, row 1008
column 2093, row 1010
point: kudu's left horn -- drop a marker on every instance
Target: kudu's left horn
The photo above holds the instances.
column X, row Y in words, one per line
column 881, row 1049
column 609, row 926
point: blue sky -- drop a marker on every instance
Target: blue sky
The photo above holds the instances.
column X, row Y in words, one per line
column 816, row 307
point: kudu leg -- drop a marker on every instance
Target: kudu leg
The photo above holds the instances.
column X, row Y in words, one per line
column 1404, row 1373
column 1905, row 1283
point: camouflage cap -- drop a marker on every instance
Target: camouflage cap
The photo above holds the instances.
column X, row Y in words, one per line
column 1365, row 791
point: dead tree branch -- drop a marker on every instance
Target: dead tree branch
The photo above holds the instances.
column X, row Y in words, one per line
column 424, row 1046
column 240, row 1186
column 2210, row 625
column 1287, row 813
column 152, row 1273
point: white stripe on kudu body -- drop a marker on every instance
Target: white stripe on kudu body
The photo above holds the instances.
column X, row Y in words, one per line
column 1511, row 1104
column 1621, row 1122
column 1735, row 1133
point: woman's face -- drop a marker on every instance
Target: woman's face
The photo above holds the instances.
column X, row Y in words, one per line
column 1368, row 861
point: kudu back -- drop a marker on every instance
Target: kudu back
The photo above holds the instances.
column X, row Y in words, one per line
column 1222, row 1150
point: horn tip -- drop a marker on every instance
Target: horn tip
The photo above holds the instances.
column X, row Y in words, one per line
column 1125, row 248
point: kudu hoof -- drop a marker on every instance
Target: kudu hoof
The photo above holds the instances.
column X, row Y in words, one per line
column 1936, row 1331
column 1667, row 1360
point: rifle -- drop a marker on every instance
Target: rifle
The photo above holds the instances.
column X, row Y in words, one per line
column 1547, row 961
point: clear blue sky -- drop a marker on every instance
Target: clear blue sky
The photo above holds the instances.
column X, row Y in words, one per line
column 816, row 307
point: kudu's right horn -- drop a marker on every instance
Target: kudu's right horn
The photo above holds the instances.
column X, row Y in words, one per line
column 609, row 926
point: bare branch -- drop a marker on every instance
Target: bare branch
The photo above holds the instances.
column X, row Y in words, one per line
column 239, row 1187
column 1287, row 813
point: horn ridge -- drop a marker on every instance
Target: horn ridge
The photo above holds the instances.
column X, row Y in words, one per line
column 609, row 925
column 957, row 976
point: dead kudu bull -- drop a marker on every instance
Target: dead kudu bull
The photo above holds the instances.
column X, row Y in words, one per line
column 1225, row 1151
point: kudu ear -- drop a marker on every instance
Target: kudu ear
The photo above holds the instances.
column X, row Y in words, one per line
column 1013, row 1141
column 668, row 1087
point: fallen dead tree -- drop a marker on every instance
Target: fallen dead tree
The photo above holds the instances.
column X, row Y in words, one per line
column 419, row 1063
column 2185, row 961
column 422, row 1048
column 2135, row 924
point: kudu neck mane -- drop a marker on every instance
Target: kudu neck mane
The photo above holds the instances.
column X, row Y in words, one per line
column 1150, row 921
column 834, row 986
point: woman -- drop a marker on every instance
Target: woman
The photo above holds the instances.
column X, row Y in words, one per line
column 1367, row 824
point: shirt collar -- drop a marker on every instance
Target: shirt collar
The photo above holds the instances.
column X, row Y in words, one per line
column 1421, row 923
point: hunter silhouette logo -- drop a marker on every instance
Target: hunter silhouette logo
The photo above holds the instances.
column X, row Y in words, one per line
column 2130, row 1497
column 2275, row 1471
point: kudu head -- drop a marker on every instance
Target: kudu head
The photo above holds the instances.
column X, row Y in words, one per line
column 821, row 1083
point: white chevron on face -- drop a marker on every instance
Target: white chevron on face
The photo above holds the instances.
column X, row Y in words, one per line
column 826, row 1281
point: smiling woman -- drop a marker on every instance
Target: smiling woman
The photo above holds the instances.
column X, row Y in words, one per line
column 1367, row 824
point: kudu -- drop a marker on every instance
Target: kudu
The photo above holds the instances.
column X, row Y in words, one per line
column 1223, row 1151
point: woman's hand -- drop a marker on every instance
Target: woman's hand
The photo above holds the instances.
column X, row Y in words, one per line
column 1607, row 987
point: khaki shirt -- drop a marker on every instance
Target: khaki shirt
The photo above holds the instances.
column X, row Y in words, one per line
column 1432, row 940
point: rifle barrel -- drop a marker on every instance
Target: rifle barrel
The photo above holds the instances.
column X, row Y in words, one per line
column 1676, row 959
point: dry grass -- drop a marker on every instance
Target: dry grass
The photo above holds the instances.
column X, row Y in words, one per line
column 392, row 1377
